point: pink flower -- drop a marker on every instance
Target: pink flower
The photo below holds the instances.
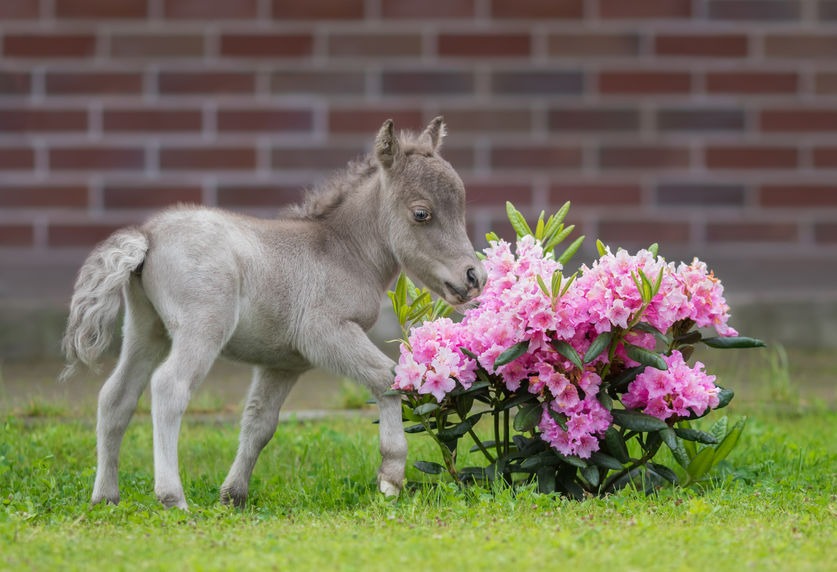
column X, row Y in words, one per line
column 679, row 391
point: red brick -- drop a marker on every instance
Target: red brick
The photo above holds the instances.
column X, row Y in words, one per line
column 537, row 82
column 19, row 10
column 538, row 9
column 644, row 82
column 801, row 46
column 798, row 196
column 825, row 157
column 93, row 83
column 798, row 120
column 156, row 45
column 590, row 44
column 692, row 119
column 15, row 83
column 14, row 234
column 100, row 9
column 317, row 9
column 643, row 232
column 427, row 9
column 366, row 121
column 256, row 196
column 752, row 83
column 825, row 232
column 826, row 83
column 760, row 10
column 266, row 45
column 149, row 196
column 208, row 158
column 491, row 119
column 45, row 196
column 461, row 158
column 16, row 158
column 645, row 10
column 535, row 157
column 603, row 195
column 152, row 120
column 827, row 10
column 48, row 45
column 104, row 158
column 265, row 120
column 415, row 83
column 694, row 45
column 318, row 82
column 209, row 82
column 700, row 195
column 210, row 9
column 484, row 45
column 751, row 232
column 78, row 235
column 643, row 157
column 39, row 120
column 315, row 158
column 593, row 119
column 487, row 193
column 750, row 157
column 376, row 45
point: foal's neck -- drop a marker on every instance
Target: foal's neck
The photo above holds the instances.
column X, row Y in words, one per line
column 358, row 223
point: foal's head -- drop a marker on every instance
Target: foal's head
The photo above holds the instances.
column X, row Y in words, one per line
column 425, row 205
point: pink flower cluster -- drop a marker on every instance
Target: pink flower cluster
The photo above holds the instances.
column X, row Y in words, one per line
column 514, row 308
column 679, row 391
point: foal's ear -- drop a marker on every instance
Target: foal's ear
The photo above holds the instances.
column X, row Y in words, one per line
column 386, row 145
column 435, row 132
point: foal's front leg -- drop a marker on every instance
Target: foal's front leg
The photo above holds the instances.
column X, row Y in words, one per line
column 344, row 349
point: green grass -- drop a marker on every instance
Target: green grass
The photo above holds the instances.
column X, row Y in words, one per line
column 313, row 505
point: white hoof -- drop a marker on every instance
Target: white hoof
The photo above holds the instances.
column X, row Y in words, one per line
column 389, row 489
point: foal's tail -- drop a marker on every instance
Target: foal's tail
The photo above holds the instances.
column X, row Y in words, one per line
column 97, row 297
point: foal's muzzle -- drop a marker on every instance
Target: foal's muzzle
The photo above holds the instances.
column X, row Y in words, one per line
column 470, row 287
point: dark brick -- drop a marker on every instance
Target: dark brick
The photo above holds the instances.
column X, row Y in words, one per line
column 801, row 46
column 266, row 45
column 799, row 120
column 645, row 10
column 700, row 195
column 15, row 83
column 535, row 157
column 16, row 158
column 752, row 83
column 427, row 9
column 378, row 45
column 755, row 10
column 751, row 232
column 208, row 158
column 250, row 196
column 484, row 45
column 100, row 9
column 15, row 234
column 149, row 196
column 318, row 83
column 265, row 120
column 93, row 83
column 96, row 158
column 595, row 195
column 41, row 120
column 315, row 158
column 643, row 157
column 48, row 45
column 152, row 120
column 750, row 157
column 583, row 119
column 488, row 193
column 798, row 196
column 695, row 45
column 700, row 119
column 427, row 83
column 643, row 232
column 156, row 45
column 45, row 196
column 537, row 83
column 317, row 9
column 492, row 119
column 78, row 235
column 643, row 82
column 19, row 10
column 366, row 121
column 209, row 82
column 538, row 9
column 210, row 9
column 588, row 44
column 825, row 232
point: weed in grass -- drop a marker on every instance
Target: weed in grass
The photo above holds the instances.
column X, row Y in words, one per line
column 351, row 395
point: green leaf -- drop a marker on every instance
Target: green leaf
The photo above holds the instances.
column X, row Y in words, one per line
column 616, row 445
column 733, row 342
column 558, row 238
column 425, row 409
column 606, row 461
column 637, row 421
column 559, row 418
column 429, row 467
column 518, row 222
column 730, row 441
column 605, row 400
column 561, row 214
column 511, row 354
column 568, row 352
column 659, row 282
column 669, row 437
column 647, row 286
column 515, row 401
column 539, row 227
column 647, row 328
column 535, row 462
column 724, row 397
column 664, row 472
column 601, row 248
column 468, row 353
column 571, row 460
column 591, row 473
column 639, row 287
column 491, row 237
column 569, row 283
column 719, row 428
column 645, row 357
column 557, row 277
column 681, row 456
column 692, row 337
column 571, row 250
column 695, row 435
column 654, row 249
column 528, row 417
column 701, row 464
column 620, row 381
column 600, row 344
column 415, row 429
column 542, row 286
column 458, row 430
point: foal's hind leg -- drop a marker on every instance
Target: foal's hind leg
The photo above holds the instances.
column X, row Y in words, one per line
column 143, row 346
column 191, row 357
column 268, row 391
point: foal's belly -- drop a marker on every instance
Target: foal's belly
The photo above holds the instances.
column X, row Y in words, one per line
column 247, row 349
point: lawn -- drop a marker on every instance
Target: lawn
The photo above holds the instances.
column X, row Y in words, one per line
column 313, row 505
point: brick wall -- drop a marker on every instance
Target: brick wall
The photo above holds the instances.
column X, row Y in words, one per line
column 707, row 125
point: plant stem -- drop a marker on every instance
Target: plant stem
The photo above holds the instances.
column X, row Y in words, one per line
column 481, row 446
column 637, row 463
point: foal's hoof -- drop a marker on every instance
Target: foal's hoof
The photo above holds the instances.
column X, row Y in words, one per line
column 230, row 495
column 98, row 498
column 389, row 489
column 172, row 501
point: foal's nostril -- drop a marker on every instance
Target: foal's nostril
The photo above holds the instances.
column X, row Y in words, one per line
column 473, row 282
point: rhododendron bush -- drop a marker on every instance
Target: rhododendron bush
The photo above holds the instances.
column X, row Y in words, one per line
column 584, row 376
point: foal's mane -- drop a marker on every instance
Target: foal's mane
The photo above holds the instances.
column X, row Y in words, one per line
column 326, row 197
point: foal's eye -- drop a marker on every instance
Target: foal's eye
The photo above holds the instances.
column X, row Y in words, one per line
column 421, row 215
